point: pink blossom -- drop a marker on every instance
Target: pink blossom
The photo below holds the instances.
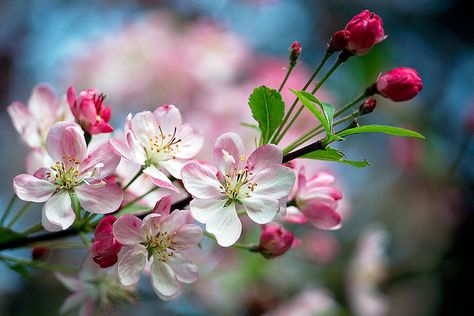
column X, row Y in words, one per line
column 74, row 172
column 295, row 52
column 160, row 239
column 275, row 240
column 366, row 30
column 89, row 110
column 316, row 200
column 105, row 247
column 399, row 84
column 255, row 185
column 159, row 141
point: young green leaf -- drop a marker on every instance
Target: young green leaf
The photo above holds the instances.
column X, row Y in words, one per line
column 7, row 235
column 268, row 109
column 304, row 98
column 391, row 130
column 331, row 154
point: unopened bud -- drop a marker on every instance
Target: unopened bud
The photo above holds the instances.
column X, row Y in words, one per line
column 275, row 241
column 39, row 253
column 368, row 106
column 339, row 41
column 294, row 52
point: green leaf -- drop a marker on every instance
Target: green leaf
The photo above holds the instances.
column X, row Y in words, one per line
column 253, row 126
column 391, row 130
column 331, row 154
column 328, row 110
column 21, row 269
column 7, row 235
column 268, row 109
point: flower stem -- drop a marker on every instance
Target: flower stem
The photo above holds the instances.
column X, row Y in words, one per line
column 140, row 197
column 288, row 72
column 20, row 213
column 33, row 229
column 85, row 239
column 8, row 209
column 338, row 62
column 237, row 245
column 310, row 80
column 135, row 177
column 39, row 264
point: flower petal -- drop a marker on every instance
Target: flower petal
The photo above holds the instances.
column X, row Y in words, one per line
column 188, row 236
column 191, row 142
column 227, row 152
column 225, row 225
column 204, row 209
column 163, row 279
column 131, row 265
column 275, row 182
column 200, row 181
column 186, row 271
column 323, row 217
column 101, row 198
column 145, row 127
column 74, row 300
column 127, row 230
column 37, row 158
column 24, row 124
column 159, row 178
column 174, row 166
column 263, row 157
column 103, row 155
column 58, row 210
column 64, row 141
column 168, row 117
column 30, row 188
column 43, row 103
column 261, row 209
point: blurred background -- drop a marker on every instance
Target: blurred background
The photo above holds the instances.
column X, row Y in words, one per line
column 405, row 245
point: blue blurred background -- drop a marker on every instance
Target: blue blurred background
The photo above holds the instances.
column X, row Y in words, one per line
column 409, row 192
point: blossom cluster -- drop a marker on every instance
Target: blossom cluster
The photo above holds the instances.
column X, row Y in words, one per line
column 86, row 173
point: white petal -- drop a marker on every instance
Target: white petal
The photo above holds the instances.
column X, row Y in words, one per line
column 30, row 188
column 261, row 209
column 159, row 178
column 225, row 226
column 58, row 210
column 131, row 265
column 275, row 182
column 102, row 198
column 174, row 166
column 163, row 279
column 204, row 209
column 185, row 270
column 200, row 181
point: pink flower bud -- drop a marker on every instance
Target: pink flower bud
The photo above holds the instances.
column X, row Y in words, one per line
column 368, row 106
column 105, row 247
column 295, row 52
column 366, row 30
column 39, row 253
column 89, row 110
column 275, row 241
column 399, row 84
column 339, row 41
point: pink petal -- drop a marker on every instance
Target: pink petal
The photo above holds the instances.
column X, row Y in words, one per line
column 228, row 144
column 159, row 178
column 104, row 155
column 174, row 221
column 185, row 270
column 36, row 159
column 189, row 235
column 321, row 179
column 168, row 117
column 43, row 103
column 200, row 181
column 102, row 198
column 127, row 230
column 121, row 148
column 276, row 182
column 145, row 127
column 191, row 142
column 225, row 225
column 263, row 157
column 163, row 279
column 163, row 206
column 131, row 265
column 261, row 209
column 174, row 166
column 323, row 217
column 151, row 225
column 58, row 210
column 30, row 188
column 25, row 124
column 66, row 140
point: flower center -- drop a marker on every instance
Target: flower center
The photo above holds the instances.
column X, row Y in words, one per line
column 237, row 184
column 161, row 246
column 65, row 176
column 163, row 146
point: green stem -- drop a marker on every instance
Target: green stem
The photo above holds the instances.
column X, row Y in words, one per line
column 462, row 151
column 33, row 229
column 61, row 245
column 290, row 69
column 39, row 264
column 338, row 62
column 20, row 213
column 140, row 197
column 350, row 104
column 310, row 80
column 248, row 247
column 85, row 239
column 8, row 209
column 135, row 177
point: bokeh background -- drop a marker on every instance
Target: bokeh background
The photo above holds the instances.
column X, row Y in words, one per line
column 405, row 246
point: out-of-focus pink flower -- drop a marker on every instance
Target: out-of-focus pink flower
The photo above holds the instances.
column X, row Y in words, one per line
column 339, row 41
column 93, row 288
column 368, row 106
column 366, row 30
column 315, row 199
column 89, row 110
column 295, row 52
column 161, row 239
column 311, row 302
column 158, row 140
column 406, row 152
column 254, row 185
column 321, row 247
column 399, row 84
column 74, row 171
column 105, row 247
column 275, row 240
column 367, row 269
